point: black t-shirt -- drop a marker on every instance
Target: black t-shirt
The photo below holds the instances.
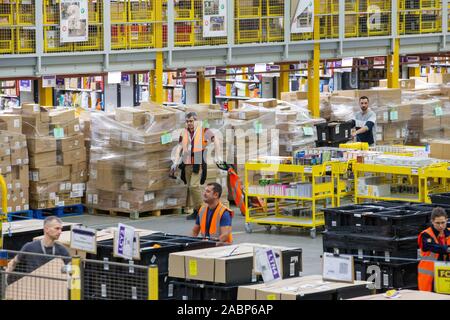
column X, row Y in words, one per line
column 28, row 263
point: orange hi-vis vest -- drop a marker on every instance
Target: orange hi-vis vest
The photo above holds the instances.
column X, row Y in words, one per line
column 214, row 228
column 194, row 156
column 426, row 265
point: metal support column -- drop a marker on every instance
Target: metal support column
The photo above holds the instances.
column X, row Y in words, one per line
column 159, row 55
column 204, row 88
column 393, row 66
column 314, row 68
column 283, row 84
column 414, row 72
column 39, row 36
column 444, row 23
column 287, row 28
column 230, row 30
column 106, row 33
column 341, row 26
column 170, row 30
column 151, row 83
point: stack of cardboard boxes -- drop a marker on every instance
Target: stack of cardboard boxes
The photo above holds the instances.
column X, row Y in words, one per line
column 14, row 164
column 130, row 161
column 58, row 171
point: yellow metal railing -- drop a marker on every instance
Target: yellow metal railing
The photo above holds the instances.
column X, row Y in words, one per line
column 4, row 213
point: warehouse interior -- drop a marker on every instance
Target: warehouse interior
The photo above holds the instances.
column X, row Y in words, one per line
column 195, row 150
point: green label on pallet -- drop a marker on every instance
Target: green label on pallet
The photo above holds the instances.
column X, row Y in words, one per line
column 394, row 115
column 166, row 138
column 58, row 133
column 308, row 131
column 205, row 123
column 258, row 127
column 438, row 112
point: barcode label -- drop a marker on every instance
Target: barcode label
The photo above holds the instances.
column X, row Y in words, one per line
column 385, row 280
column 333, row 223
column 360, row 253
column 103, row 290
column 133, row 293
column 358, row 275
column 170, row 293
column 95, row 199
column 387, row 256
column 292, row 269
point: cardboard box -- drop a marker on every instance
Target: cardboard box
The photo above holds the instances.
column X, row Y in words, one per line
column 71, row 157
column 244, row 114
column 31, row 108
column 19, row 156
column 263, row 103
column 70, row 143
column 41, row 144
column 70, row 128
column 405, row 84
column 110, row 176
column 45, row 159
column 5, row 164
column 230, row 264
column 50, row 174
column 439, row 78
column 34, row 126
column 11, row 122
column 131, row 116
column 61, row 117
column 440, row 149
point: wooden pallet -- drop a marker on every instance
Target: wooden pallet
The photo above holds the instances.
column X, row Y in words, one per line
column 134, row 215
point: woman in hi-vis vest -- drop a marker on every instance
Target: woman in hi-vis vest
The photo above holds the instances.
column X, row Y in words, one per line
column 434, row 244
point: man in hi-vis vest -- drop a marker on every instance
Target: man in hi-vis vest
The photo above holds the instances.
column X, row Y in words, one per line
column 190, row 157
column 434, row 244
column 214, row 219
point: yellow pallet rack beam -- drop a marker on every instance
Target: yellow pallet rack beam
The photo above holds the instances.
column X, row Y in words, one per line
column 320, row 192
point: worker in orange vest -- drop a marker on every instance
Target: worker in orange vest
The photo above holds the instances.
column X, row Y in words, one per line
column 214, row 219
column 434, row 244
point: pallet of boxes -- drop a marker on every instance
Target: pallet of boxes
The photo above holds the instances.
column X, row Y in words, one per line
column 58, row 168
column 14, row 163
column 130, row 160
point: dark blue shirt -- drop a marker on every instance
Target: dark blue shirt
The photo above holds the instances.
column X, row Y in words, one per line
column 225, row 221
column 434, row 247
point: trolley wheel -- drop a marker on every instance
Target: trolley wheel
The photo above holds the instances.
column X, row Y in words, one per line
column 313, row 233
column 248, row 228
column 268, row 228
column 279, row 228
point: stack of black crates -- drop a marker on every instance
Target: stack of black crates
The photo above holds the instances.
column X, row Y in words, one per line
column 332, row 134
column 107, row 281
column 382, row 237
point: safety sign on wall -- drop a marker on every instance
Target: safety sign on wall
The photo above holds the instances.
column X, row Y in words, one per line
column 214, row 18
column 74, row 20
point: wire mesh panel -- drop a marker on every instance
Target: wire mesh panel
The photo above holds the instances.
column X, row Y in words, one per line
column 141, row 10
column 6, row 41
column 141, row 36
column 367, row 18
column 6, row 13
column 419, row 16
column 119, row 11
column 52, row 41
column 25, row 12
column 95, row 11
column 95, row 40
column 119, row 37
column 106, row 280
column 25, row 40
column 32, row 276
column 328, row 15
column 185, row 9
column 51, row 12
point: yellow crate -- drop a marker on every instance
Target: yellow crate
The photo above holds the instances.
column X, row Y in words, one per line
column 95, row 40
column 25, row 14
column 141, row 36
column 95, row 11
column 248, row 8
column 51, row 12
column 6, row 14
column 119, row 37
column 25, row 40
column 141, row 11
column 119, row 11
column 275, row 8
column 6, row 41
column 52, row 41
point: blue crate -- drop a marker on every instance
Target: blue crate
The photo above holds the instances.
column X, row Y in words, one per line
column 20, row 215
column 61, row 212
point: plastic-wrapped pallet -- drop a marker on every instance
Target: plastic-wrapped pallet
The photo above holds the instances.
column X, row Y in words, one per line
column 58, row 159
column 130, row 161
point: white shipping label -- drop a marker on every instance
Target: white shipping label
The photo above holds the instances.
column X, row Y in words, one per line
column 19, row 161
column 76, row 142
column 149, row 196
column 94, row 173
column 76, row 128
column 35, row 176
column 10, row 209
column 308, row 169
column 360, row 253
column 170, row 293
column 172, row 201
column 26, row 207
column 17, row 145
column 89, row 198
column 8, row 152
column 68, row 186
column 62, row 187
column 124, row 204
column 160, row 204
column 324, row 136
column 95, row 199
column 60, row 204
column 52, row 195
column 289, row 148
column 292, row 269
column 76, row 194
column 17, row 123
column 385, row 280
column 333, row 223
column 336, row 130
column 398, row 133
column 18, row 208
column 242, row 115
column 386, row 116
column 18, row 185
column 358, row 275
column 36, row 108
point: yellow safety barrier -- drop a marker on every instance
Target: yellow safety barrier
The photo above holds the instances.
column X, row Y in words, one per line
column 4, row 213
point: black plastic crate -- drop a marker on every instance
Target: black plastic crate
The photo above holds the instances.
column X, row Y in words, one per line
column 292, row 263
column 334, row 131
column 440, row 198
column 353, row 292
column 331, row 144
column 346, row 216
column 386, row 276
column 367, row 246
column 183, row 290
column 391, row 204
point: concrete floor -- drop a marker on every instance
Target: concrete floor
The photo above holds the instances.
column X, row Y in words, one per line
column 177, row 224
